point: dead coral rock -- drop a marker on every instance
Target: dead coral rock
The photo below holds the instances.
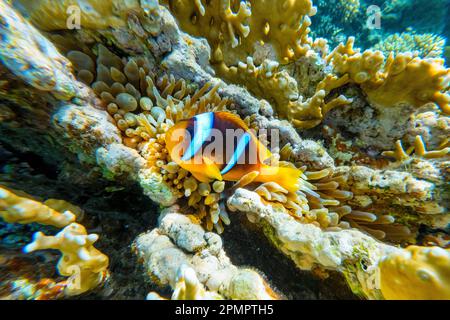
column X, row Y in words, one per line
column 179, row 241
column 307, row 152
column 119, row 160
column 85, row 128
column 387, row 188
column 309, row 246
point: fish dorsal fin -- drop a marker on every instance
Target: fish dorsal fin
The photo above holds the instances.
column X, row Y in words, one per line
column 228, row 116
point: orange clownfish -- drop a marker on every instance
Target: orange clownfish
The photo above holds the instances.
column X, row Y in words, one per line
column 219, row 146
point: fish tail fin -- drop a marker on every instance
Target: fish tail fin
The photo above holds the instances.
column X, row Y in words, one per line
column 288, row 178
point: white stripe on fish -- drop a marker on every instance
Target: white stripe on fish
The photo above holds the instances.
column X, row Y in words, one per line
column 203, row 124
column 242, row 144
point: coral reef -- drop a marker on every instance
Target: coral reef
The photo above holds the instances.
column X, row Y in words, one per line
column 95, row 103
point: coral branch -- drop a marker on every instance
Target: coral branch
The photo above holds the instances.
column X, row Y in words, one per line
column 85, row 266
column 16, row 209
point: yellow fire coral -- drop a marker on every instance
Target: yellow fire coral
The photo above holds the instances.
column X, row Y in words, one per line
column 17, row 209
column 85, row 266
column 215, row 20
column 310, row 113
column 416, row 273
column 420, row 150
column 228, row 24
column 264, row 35
column 395, row 80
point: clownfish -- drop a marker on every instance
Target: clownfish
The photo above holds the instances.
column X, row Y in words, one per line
column 220, row 146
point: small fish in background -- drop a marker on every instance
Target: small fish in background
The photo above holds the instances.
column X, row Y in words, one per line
column 220, row 146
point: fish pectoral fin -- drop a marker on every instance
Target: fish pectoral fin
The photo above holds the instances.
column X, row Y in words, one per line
column 211, row 169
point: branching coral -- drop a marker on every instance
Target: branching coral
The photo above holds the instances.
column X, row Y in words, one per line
column 85, row 266
column 223, row 21
column 16, row 209
column 310, row 113
column 271, row 33
column 418, row 273
column 425, row 45
column 266, row 80
column 419, row 149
